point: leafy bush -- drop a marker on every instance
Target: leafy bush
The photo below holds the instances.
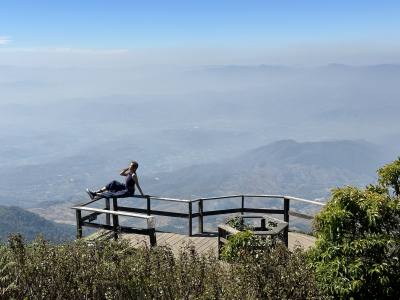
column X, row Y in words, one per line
column 279, row 274
column 358, row 246
column 389, row 176
column 237, row 223
column 115, row 270
column 244, row 243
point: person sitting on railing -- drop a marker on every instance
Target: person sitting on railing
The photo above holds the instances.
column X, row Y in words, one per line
column 116, row 188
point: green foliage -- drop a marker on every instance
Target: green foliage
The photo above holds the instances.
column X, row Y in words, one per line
column 115, row 270
column 279, row 274
column 389, row 176
column 358, row 246
column 7, row 283
column 237, row 223
column 244, row 243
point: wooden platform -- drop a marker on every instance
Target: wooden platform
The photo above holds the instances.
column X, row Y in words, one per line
column 205, row 243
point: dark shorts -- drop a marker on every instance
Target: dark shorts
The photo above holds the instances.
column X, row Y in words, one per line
column 115, row 186
column 117, row 189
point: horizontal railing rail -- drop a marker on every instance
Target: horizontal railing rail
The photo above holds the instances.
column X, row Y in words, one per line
column 217, row 198
column 285, row 210
column 149, row 219
column 304, row 200
column 87, row 220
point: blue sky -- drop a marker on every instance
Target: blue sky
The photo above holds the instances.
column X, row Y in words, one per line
column 202, row 24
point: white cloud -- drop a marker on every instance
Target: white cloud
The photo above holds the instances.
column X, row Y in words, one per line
column 66, row 50
column 4, row 40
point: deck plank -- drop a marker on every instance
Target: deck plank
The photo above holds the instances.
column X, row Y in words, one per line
column 208, row 244
column 174, row 239
column 203, row 244
column 169, row 237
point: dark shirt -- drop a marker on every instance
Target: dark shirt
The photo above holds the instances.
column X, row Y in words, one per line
column 130, row 183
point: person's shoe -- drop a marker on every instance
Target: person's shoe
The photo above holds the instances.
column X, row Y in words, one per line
column 97, row 197
column 91, row 194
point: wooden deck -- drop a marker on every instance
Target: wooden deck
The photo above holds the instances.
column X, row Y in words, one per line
column 205, row 243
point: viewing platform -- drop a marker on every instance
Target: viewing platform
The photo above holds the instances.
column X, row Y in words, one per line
column 205, row 243
column 139, row 224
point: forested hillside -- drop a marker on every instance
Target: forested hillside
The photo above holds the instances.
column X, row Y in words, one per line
column 29, row 225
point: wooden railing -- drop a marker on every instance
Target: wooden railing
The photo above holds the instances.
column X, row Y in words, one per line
column 285, row 210
column 115, row 212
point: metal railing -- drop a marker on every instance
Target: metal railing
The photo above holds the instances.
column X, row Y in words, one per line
column 115, row 227
column 285, row 210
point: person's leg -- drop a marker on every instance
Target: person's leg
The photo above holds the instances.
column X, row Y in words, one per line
column 93, row 194
column 113, row 186
column 103, row 189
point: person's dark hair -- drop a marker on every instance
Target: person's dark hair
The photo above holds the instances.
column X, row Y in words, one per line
column 135, row 163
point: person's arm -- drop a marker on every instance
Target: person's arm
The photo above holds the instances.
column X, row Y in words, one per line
column 124, row 172
column 135, row 178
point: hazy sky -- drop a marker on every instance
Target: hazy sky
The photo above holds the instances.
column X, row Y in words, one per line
column 164, row 80
column 205, row 32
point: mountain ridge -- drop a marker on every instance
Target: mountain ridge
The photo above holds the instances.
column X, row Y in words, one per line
column 303, row 169
column 282, row 167
column 14, row 219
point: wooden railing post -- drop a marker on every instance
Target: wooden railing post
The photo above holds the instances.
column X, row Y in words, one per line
column 151, row 229
column 78, row 224
column 107, row 202
column 190, row 219
column 153, row 239
column 263, row 225
column 148, row 206
column 201, row 229
column 286, row 207
column 242, row 208
column 115, row 218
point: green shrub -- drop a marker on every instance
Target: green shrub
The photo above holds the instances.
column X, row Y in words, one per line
column 389, row 176
column 237, row 223
column 358, row 246
column 244, row 243
column 275, row 273
column 115, row 270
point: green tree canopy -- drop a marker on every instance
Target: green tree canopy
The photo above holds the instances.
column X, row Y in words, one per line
column 389, row 176
column 357, row 251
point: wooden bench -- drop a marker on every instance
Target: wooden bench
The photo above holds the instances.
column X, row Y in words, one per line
column 115, row 227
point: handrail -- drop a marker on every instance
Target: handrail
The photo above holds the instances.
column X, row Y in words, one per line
column 218, row 198
column 305, row 200
column 113, row 212
column 115, row 227
column 170, row 199
column 286, row 209
column 238, row 196
column 265, row 196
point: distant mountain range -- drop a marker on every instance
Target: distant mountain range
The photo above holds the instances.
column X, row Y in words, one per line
column 17, row 220
column 195, row 131
column 303, row 169
column 285, row 167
